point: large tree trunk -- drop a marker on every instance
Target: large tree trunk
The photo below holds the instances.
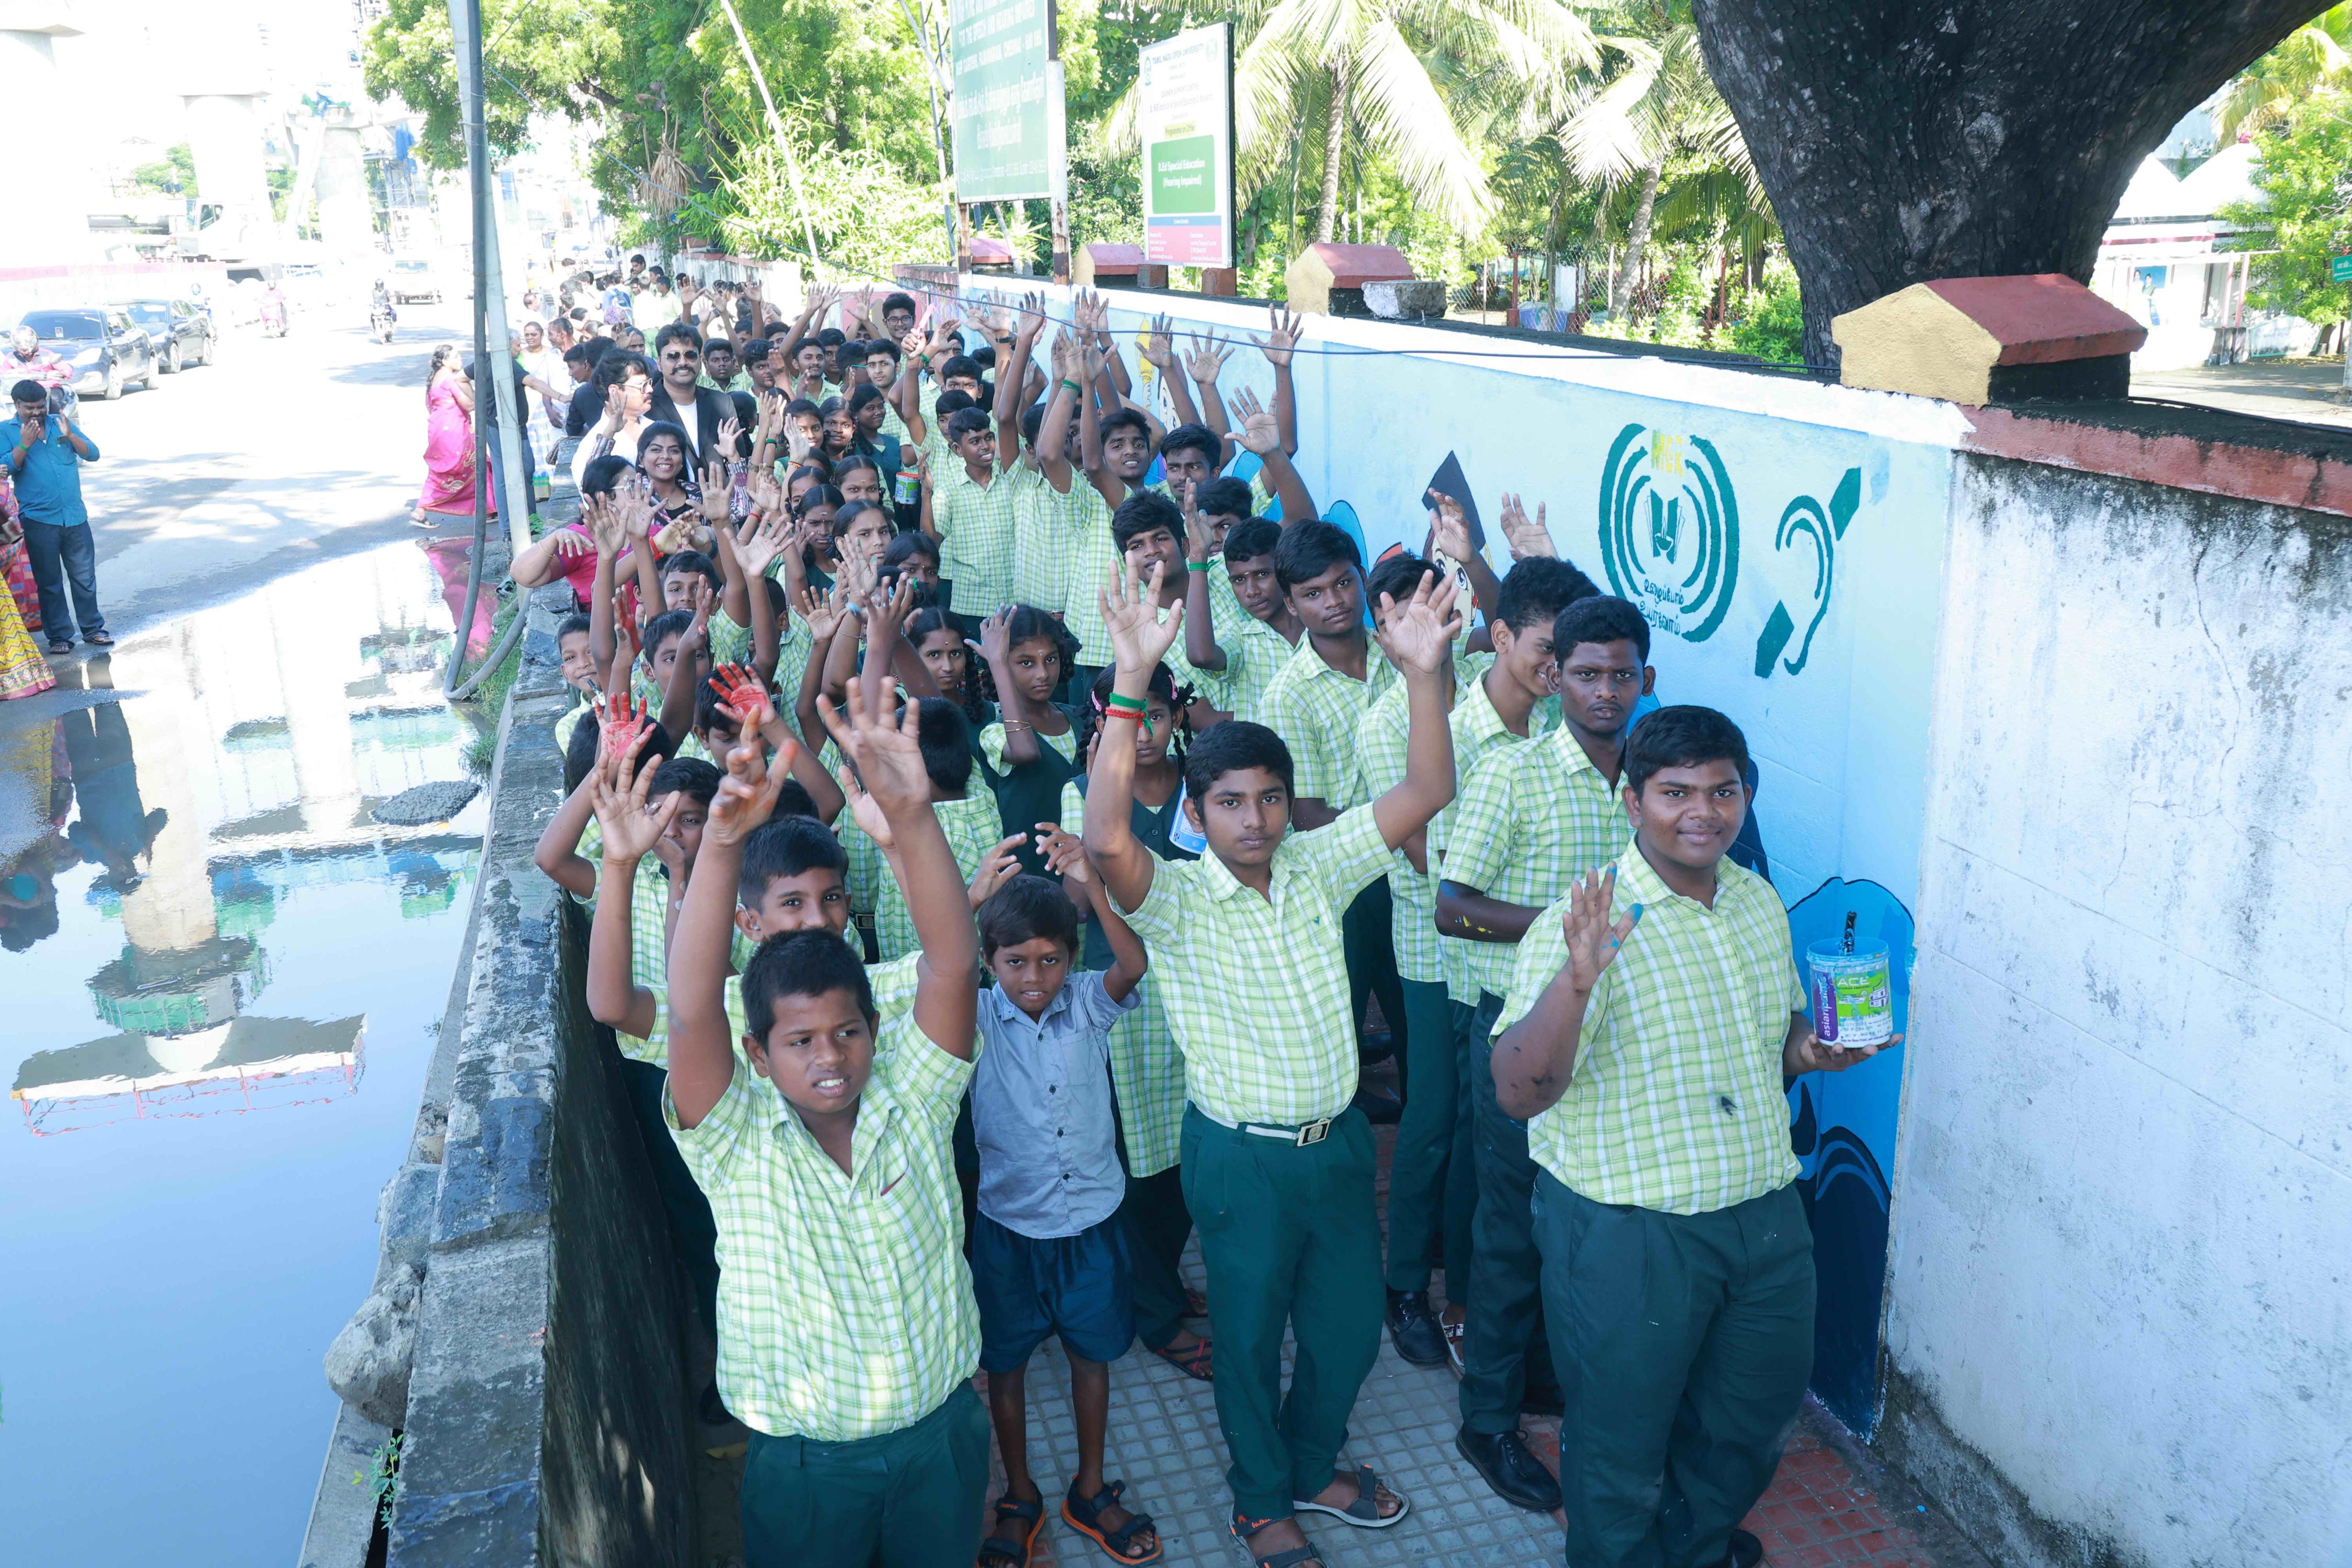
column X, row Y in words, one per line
column 1335, row 134
column 1620, row 290
column 1969, row 138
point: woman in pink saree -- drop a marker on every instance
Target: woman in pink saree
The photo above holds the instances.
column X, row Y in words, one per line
column 448, row 442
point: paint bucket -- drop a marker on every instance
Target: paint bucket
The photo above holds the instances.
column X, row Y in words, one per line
column 1852, row 994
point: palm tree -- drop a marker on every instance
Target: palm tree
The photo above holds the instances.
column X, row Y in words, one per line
column 1657, row 100
column 2314, row 56
column 1377, row 65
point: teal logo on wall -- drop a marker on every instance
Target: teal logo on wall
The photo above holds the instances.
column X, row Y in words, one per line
column 1670, row 530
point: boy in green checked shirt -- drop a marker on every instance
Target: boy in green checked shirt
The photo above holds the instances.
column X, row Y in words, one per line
column 1653, row 1024
column 1530, row 820
column 971, row 510
column 1501, row 700
column 1239, row 654
column 1278, row 1167
column 847, row 1330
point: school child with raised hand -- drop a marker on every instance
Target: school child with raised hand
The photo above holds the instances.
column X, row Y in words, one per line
column 847, row 1330
column 1145, row 1068
column 1653, row 1024
column 1496, row 699
column 1240, row 654
column 1278, row 1166
column 1049, row 1252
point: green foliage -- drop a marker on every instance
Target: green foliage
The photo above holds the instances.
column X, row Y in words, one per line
column 2306, row 210
column 1769, row 322
column 173, row 175
column 866, row 213
column 546, row 55
column 382, row 1477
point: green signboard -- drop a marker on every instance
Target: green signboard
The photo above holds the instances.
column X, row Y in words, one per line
column 2340, row 269
column 1184, row 116
column 1007, row 109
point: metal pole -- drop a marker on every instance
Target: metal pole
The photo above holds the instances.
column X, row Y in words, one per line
column 932, row 79
column 493, row 359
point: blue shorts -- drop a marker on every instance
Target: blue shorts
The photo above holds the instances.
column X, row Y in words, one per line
column 1077, row 1286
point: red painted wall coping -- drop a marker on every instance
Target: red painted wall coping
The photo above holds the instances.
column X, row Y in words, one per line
column 1353, row 266
column 2316, row 481
column 2041, row 318
column 1108, row 256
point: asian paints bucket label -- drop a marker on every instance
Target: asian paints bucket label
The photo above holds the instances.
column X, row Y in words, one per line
column 1853, row 993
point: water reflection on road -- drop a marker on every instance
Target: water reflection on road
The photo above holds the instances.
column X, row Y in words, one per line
column 221, row 982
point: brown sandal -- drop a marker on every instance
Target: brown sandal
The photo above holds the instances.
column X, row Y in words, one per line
column 1193, row 1364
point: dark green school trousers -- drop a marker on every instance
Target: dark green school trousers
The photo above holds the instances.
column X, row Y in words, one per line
column 908, row 1499
column 1159, row 1225
column 1290, row 1240
column 1424, row 1190
column 1684, row 1343
column 693, row 1232
column 1503, row 1349
column 1368, row 942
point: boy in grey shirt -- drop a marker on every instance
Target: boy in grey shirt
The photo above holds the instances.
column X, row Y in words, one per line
column 1048, row 1253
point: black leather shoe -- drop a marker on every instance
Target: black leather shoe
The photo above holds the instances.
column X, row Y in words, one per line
column 1518, row 1477
column 1412, row 1328
column 1745, row 1551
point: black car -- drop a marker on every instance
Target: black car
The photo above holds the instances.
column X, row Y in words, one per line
column 106, row 351
column 182, row 334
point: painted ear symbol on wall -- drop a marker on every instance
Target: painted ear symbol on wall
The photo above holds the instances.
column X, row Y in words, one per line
column 1821, row 529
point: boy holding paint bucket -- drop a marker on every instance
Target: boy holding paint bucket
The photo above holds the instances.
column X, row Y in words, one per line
column 1653, row 1023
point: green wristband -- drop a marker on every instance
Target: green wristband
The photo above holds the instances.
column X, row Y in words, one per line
column 1071, row 385
column 1196, row 566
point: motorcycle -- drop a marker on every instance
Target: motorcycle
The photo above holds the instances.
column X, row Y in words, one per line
column 381, row 319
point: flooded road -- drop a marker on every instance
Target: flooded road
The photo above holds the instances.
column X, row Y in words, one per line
column 221, row 982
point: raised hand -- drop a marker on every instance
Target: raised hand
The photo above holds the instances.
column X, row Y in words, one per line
column 617, row 790
column 1200, row 539
column 718, row 493
column 1527, row 539
column 570, row 542
column 759, row 543
column 743, row 697
column 1449, row 527
column 621, row 719
column 1064, row 853
column 605, row 525
column 996, row 644
column 823, row 612
column 1130, row 611
column 889, row 609
column 886, row 750
column 1259, row 431
column 1593, row 938
column 1419, row 634
column 747, row 793
column 731, row 433
column 1033, row 316
column 700, row 599
column 1281, row 339
column 1159, row 344
column 998, row 867
column 1208, row 360
column 676, row 534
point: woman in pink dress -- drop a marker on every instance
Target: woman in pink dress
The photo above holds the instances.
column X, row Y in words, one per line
column 448, row 441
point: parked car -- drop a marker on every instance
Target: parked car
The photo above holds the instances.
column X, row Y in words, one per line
column 413, row 279
column 182, row 334
column 107, row 351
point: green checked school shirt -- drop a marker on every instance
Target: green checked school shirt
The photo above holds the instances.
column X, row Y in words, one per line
column 1256, row 989
column 973, row 827
column 1086, row 525
column 1254, row 654
column 1145, row 1068
column 1676, row 1100
column 1041, row 554
column 844, row 1305
column 1317, row 710
column 1530, row 820
column 1478, row 732
column 976, row 530
column 1381, row 742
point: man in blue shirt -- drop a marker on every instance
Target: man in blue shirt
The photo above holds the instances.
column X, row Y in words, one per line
column 46, row 452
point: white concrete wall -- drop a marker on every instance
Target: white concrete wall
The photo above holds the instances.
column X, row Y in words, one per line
column 2123, row 1234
